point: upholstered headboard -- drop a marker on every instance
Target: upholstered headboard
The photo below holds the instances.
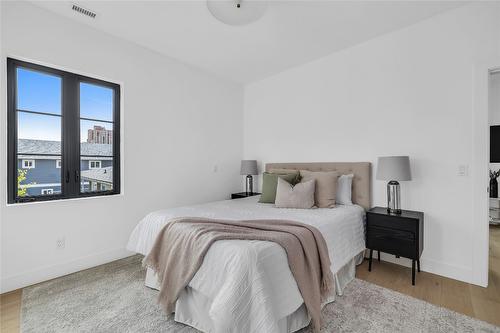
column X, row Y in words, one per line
column 361, row 181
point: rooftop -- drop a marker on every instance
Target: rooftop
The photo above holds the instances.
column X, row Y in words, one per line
column 103, row 175
column 46, row 147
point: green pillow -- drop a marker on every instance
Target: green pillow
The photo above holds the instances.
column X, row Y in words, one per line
column 287, row 172
column 270, row 182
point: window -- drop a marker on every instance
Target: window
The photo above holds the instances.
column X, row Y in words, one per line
column 28, row 164
column 94, row 164
column 63, row 118
column 46, row 191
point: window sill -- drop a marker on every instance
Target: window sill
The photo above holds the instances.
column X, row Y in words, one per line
column 98, row 197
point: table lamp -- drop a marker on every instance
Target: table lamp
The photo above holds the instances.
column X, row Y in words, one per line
column 393, row 169
column 249, row 168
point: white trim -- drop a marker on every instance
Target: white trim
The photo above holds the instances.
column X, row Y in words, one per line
column 481, row 148
column 95, row 167
column 55, row 202
column 85, row 158
column 58, row 164
column 42, row 157
column 457, row 272
column 24, row 162
column 28, row 278
column 47, row 191
column 39, row 185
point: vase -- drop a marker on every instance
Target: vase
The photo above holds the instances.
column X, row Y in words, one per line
column 493, row 188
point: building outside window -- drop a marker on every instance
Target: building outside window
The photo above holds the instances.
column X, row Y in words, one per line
column 48, row 168
column 99, row 134
column 94, row 164
column 46, row 191
column 28, row 164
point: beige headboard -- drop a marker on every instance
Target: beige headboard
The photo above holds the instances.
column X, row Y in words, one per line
column 361, row 170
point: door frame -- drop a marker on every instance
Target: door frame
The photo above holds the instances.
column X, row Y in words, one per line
column 481, row 149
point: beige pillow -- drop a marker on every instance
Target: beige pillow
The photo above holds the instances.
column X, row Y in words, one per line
column 298, row 196
column 326, row 186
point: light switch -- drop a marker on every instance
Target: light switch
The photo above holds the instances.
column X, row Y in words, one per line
column 463, row 170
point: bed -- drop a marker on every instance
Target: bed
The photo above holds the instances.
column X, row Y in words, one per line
column 247, row 286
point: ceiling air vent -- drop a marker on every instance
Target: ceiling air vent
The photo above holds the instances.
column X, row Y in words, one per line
column 84, row 11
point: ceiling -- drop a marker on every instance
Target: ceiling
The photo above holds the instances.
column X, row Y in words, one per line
column 289, row 34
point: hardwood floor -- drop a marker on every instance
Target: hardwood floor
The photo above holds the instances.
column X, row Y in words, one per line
column 481, row 303
column 10, row 311
column 474, row 301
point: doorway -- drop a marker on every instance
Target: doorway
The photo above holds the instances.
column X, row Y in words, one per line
column 494, row 174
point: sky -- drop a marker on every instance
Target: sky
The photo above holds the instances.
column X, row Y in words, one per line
column 41, row 92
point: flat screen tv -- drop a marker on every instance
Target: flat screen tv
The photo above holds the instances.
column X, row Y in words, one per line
column 495, row 144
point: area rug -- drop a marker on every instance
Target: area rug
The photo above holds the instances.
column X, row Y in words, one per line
column 113, row 298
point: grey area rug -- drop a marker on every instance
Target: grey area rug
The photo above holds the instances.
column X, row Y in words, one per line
column 113, row 298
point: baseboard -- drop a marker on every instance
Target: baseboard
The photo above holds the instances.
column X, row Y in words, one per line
column 461, row 273
column 50, row 272
column 456, row 272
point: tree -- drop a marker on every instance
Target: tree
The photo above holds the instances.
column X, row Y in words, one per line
column 21, row 176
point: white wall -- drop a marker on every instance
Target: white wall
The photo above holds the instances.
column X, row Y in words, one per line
column 405, row 93
column 173, row 137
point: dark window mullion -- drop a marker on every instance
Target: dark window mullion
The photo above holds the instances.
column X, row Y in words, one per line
column 40, row 113
column 36, row 154
column 77, row 158
column 12, row 132
column 97, row 120
column 71, row 136
column 116, row 139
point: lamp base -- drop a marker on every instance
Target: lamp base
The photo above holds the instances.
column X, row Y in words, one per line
column 249, row 184
column 393, row 197
column 394, row 211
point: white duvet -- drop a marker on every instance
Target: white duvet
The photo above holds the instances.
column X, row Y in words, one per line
column 249, row 283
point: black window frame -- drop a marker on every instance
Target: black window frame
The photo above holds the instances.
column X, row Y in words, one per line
column 70, row 133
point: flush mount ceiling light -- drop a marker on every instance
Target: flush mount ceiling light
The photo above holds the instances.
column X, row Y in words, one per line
column 237, row 12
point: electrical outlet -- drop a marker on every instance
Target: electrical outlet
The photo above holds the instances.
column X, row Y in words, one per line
column 61, row 243
column 216, row 168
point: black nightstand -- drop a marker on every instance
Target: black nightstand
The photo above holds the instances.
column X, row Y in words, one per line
column 398, row 234
column 243, row 195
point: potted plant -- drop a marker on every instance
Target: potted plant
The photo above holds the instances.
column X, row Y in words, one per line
column 494, row 183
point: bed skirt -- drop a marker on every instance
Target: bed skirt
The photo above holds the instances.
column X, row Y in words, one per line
column 192, row 307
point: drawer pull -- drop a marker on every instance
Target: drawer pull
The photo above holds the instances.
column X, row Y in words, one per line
column 389, row 238
column 386, row 233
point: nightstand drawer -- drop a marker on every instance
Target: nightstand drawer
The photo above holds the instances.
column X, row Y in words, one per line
column 396, row 222
column 394, row 241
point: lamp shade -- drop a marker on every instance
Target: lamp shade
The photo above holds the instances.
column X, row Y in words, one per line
column 393, row 168
column 248, row 167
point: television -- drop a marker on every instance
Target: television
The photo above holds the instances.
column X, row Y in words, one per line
column 495, row 144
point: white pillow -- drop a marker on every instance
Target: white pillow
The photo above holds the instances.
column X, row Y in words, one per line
column 299, row 196
column 344, row 190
